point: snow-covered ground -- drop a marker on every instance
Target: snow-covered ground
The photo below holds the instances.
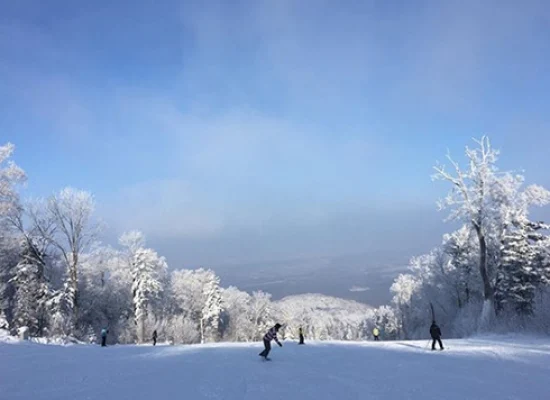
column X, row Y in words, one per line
column 489, row 368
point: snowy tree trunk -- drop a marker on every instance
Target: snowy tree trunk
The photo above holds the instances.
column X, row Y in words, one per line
column 147, row 268
column 140, row 330
column 73, row 285
column 488, row 310
column 488, row 291
column 487, row 314
column 202, row 330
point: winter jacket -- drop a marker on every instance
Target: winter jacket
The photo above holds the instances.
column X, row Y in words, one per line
column 375, row 332
column 435, row 331
column 103, row 332
column 271, row 335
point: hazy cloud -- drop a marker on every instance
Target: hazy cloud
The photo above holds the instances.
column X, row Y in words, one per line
column 271, row 129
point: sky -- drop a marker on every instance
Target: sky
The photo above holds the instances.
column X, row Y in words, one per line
column 230, row 132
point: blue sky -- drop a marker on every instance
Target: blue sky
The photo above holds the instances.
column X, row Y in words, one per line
column 241, row 131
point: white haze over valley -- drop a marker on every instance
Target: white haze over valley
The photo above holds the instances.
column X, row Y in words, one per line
column 355, row 277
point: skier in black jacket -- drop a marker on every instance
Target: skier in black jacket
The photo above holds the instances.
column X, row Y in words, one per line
column 155, row 337
column 269, row 336
column 104, row 333
column 435, row 332
column 301, row 334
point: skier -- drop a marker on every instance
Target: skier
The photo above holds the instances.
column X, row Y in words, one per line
column 376, row 334
column 155, row 337
column 269, row 336
column 104, row 333
column 301, row 333
column 435, row 332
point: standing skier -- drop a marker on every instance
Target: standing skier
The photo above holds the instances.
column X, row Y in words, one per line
column 155, row 337
column 269, row 336
column 376, row 334
column 301, row 333
column 435, row 332
column 104, row 333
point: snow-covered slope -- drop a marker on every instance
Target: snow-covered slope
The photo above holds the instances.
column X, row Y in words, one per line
column 470, row 369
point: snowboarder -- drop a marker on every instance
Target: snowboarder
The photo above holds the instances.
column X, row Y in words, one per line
column 104, row 333
column 301, row 334
column 269, row 336
column 435, row 332
column 155, row 337
column 376, row 334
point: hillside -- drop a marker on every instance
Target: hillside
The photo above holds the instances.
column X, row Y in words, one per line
column 469, row 369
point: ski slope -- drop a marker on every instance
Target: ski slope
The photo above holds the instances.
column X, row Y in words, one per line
column 496, row 368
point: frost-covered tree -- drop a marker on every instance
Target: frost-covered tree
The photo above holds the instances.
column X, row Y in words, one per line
column 403, row 289
column 65, row 222
column 522, row 268
column 460, row 249
column 236, row 304
column 435, row 288
column 31, row 291
column 516, row 238
column 517, row 277
column 212, row 309
column 494, row 262
column 11, row 176
column 131, row 242
column 198, row 297
column 60, row 306
column 542, row 259
column 105, row 294
column 9, row 256
column 470, row 201
column 489, row 202
column 34, row 270
column 147, row 272
column 260, row 315
column 386, row 321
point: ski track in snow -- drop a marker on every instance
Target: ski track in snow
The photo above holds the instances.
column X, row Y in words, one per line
column 491, row 368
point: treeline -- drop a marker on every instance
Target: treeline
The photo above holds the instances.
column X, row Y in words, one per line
column 57, row 280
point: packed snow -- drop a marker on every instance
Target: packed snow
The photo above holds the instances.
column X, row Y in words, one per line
column 488, row 368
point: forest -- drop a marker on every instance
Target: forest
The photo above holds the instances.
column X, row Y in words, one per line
column 58, row 280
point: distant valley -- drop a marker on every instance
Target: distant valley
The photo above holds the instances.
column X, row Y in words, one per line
column 356, row 277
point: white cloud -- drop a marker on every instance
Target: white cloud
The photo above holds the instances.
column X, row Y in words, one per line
column 166, row 208
column 221, row 145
